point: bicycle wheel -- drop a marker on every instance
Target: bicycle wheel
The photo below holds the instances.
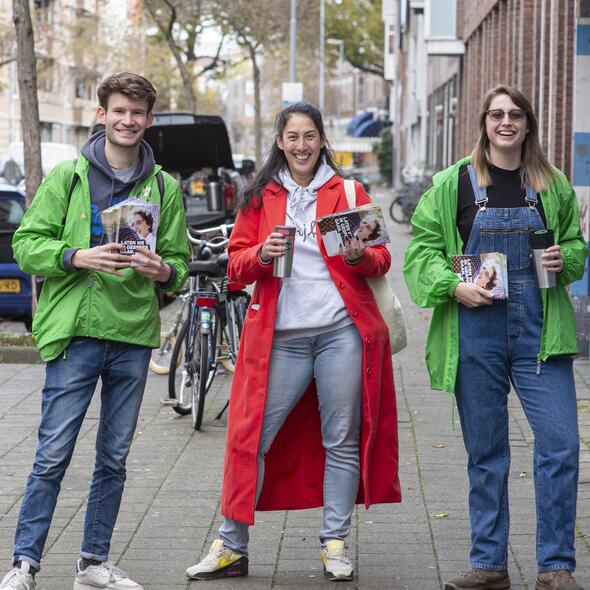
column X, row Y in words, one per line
column 160, row 361
column 180, row 377
column 241, row 306
column 396, row 210
column 201, row 377
column 236, row 313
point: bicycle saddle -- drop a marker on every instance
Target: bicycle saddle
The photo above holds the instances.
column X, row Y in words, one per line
column 209, row 267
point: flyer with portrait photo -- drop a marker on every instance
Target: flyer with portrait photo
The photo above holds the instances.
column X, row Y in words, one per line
column 488, row 270
column 365, row 222
column 132, row 223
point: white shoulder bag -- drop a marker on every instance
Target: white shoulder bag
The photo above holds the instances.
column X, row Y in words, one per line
column 389, row 305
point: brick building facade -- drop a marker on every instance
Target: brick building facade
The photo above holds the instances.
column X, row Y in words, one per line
column 527, row 44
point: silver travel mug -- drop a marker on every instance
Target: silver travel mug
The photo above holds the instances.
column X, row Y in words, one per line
column 283, row 264
column 540, row 241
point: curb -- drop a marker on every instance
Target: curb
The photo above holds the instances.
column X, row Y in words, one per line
column 20, row 354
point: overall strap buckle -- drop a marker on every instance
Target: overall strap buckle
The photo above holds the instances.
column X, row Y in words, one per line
column 479, row 192
column 531, row 197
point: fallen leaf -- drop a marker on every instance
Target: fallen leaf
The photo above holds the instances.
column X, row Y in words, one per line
column 440, row 514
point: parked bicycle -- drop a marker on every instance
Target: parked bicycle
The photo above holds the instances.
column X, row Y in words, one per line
column 416, row 183
column 160, row 360
column 211, row 333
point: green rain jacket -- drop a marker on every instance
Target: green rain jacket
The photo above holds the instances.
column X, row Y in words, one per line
column 90, row 303
column 431, row 282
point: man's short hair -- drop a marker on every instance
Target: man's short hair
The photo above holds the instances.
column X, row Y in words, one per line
column 131, row 85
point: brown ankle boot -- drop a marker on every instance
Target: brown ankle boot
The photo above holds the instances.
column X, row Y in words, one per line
column 480, row 579
column 560, row 580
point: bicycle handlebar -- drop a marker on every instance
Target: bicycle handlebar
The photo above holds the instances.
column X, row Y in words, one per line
column 223, row 230
column 195, row 236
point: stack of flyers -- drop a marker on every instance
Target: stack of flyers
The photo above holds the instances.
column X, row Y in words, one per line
column 488, row 270
column 132, row 223
column 365, row 223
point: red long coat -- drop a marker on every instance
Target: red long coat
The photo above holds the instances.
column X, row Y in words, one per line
column 294, row 468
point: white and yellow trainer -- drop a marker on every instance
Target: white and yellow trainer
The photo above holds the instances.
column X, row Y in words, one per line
column 337, row 565
column 220, row 562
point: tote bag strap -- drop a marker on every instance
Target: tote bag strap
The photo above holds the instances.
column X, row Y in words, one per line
column 350, row 191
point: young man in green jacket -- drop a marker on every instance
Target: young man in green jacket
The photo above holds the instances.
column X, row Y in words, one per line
column 97, row 317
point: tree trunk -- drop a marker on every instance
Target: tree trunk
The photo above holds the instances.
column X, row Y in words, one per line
column 257, row 108
column 27, row 87
column 29, row 116
column 187, row 78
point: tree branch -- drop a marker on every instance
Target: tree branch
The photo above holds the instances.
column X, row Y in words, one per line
column 7, row 61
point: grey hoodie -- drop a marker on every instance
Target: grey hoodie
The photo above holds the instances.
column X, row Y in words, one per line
column 309, row 303
column 105, row 188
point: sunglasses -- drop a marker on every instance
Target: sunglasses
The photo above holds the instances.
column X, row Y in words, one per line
column 498, row 114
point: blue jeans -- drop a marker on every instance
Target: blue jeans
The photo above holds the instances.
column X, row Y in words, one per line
column 498, row 345
column 334, row 360
column 70, row 382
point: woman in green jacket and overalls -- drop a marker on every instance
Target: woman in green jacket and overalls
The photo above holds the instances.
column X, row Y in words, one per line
column 479, row 346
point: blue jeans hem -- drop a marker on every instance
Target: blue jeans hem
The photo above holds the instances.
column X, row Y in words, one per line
column 93, row 556
column 28, row 559
column 556, row 568
column 490, row 567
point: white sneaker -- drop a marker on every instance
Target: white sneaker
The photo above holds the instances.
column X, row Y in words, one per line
column 220, row 562
column 337, row 565
column 105, row 575
column 19, row 578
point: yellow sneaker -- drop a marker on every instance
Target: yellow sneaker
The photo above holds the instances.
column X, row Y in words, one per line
column 337, row 565
column 220, row 562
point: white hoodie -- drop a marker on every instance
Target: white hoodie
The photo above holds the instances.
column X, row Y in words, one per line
column 309, row 302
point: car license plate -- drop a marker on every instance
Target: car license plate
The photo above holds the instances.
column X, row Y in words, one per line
column 9, row 285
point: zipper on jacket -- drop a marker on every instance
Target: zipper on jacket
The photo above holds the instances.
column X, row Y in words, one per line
column 89, row 283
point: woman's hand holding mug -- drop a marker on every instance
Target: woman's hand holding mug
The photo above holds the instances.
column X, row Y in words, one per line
column 274, row 246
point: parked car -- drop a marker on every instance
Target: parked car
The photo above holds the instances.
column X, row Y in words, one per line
column 196, row 150
column 15, row 285
column 51, row 154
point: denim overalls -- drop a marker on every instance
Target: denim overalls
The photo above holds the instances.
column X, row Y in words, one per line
column 498, row 345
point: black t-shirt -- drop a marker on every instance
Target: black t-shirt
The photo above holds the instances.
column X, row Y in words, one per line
column 505, row 191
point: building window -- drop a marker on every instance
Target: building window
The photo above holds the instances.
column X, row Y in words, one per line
column 46, row 131
column 46, row 74
column 443, row 18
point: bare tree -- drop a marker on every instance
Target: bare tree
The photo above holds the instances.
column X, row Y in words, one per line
column 255, row 26
column 181, row 23
column 27, row 85
column 6, row 42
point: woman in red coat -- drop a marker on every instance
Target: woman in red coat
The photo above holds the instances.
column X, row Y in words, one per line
column 312, row 419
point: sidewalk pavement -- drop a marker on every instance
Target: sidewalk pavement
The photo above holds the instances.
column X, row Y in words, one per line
column 170, row 509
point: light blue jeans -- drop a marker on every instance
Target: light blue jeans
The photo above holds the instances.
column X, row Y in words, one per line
column 69, row 386
column 334, row 360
